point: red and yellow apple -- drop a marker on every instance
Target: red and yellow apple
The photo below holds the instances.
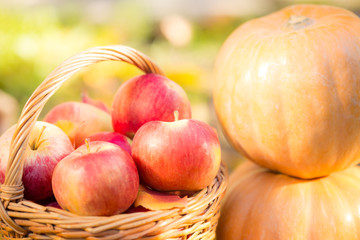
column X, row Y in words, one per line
column 79, row 120
column 48, row 145
column 179, row 155
column 145, row 98
column 113, row 137
column 97, row 179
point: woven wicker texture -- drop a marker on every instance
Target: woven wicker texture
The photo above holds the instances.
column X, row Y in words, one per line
column 22, row 219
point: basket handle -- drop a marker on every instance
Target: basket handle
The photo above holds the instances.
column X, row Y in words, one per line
column 12, row 189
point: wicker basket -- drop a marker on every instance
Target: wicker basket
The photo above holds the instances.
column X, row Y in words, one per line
column 22, row 219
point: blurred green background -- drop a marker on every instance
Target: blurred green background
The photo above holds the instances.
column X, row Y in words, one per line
column 182, row 37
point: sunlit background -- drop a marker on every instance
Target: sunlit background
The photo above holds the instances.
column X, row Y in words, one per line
column 181, row 36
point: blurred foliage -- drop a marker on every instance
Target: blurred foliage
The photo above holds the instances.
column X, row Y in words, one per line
column 36, row 39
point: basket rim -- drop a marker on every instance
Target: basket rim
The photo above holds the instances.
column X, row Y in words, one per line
column 31, row 215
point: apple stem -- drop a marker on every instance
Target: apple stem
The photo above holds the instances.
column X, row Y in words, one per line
column 38, row 141
column 176, row 115
column 87, row 143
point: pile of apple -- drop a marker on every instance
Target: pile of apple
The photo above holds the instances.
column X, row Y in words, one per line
column 96, row 161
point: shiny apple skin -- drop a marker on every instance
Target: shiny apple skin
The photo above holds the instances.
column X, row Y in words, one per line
column 147, row 98
column 79, row 120
column 179, row 155
column 53, row 146
column 113, row 137
column 101, row 180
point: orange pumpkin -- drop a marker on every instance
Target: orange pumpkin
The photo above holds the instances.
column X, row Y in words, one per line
column 264, row 205
column 287, row 90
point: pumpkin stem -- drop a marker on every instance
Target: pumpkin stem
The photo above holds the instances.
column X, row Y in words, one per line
column 299, row 22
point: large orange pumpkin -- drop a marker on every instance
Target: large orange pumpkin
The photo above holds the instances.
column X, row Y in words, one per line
column 287, row 90
column 264, row 205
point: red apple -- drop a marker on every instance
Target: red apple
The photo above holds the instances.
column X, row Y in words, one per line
column 97, row 179
column 147, row 98
column 180, row 155
column 53, row 204
column 113, row 137
column 48, row 144
column 49, row 202
column 79, row 120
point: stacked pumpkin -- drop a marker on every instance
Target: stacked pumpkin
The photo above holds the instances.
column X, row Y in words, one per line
column 287, row 95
